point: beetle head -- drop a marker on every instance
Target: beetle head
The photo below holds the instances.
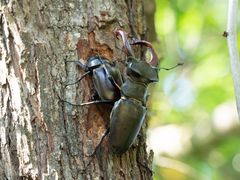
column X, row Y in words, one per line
column 94, row 61
column 141, row 71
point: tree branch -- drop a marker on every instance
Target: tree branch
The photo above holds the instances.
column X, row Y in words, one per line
column 233, row 49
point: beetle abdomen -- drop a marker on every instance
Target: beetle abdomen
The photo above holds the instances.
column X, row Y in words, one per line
column 127, row 118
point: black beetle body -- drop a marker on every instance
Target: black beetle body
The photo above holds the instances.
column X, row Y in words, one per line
column 129, row 112
column 107, row 78
column 127, row 117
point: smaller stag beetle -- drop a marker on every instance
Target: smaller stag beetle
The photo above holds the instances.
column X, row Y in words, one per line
column 106, row 76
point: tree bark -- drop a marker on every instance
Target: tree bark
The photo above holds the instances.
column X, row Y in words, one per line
column 42, row 137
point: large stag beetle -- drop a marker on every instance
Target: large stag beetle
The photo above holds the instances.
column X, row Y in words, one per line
column 129, row 111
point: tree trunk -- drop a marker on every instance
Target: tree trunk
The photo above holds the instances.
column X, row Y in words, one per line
column 42, row 137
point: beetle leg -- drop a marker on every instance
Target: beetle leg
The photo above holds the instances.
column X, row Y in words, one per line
column 117, row 76
column 84, row 75
column 96, row 102
column 116, row 84
column 86, row 103
column 111, row 78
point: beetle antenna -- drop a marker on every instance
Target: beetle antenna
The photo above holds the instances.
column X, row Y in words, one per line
column 167, row 69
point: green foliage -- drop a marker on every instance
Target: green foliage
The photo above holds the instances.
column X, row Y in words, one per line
column 191, row 32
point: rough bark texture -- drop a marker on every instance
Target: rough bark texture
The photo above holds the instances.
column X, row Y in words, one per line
column 40, row 136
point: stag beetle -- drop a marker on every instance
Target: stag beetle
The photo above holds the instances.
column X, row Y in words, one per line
column 129, row 112
column 106, row 76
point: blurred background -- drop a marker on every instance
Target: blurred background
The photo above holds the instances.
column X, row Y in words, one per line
column 193, row 127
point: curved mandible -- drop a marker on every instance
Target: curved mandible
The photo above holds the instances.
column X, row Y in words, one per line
column 126, row 45
column 154, row 58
